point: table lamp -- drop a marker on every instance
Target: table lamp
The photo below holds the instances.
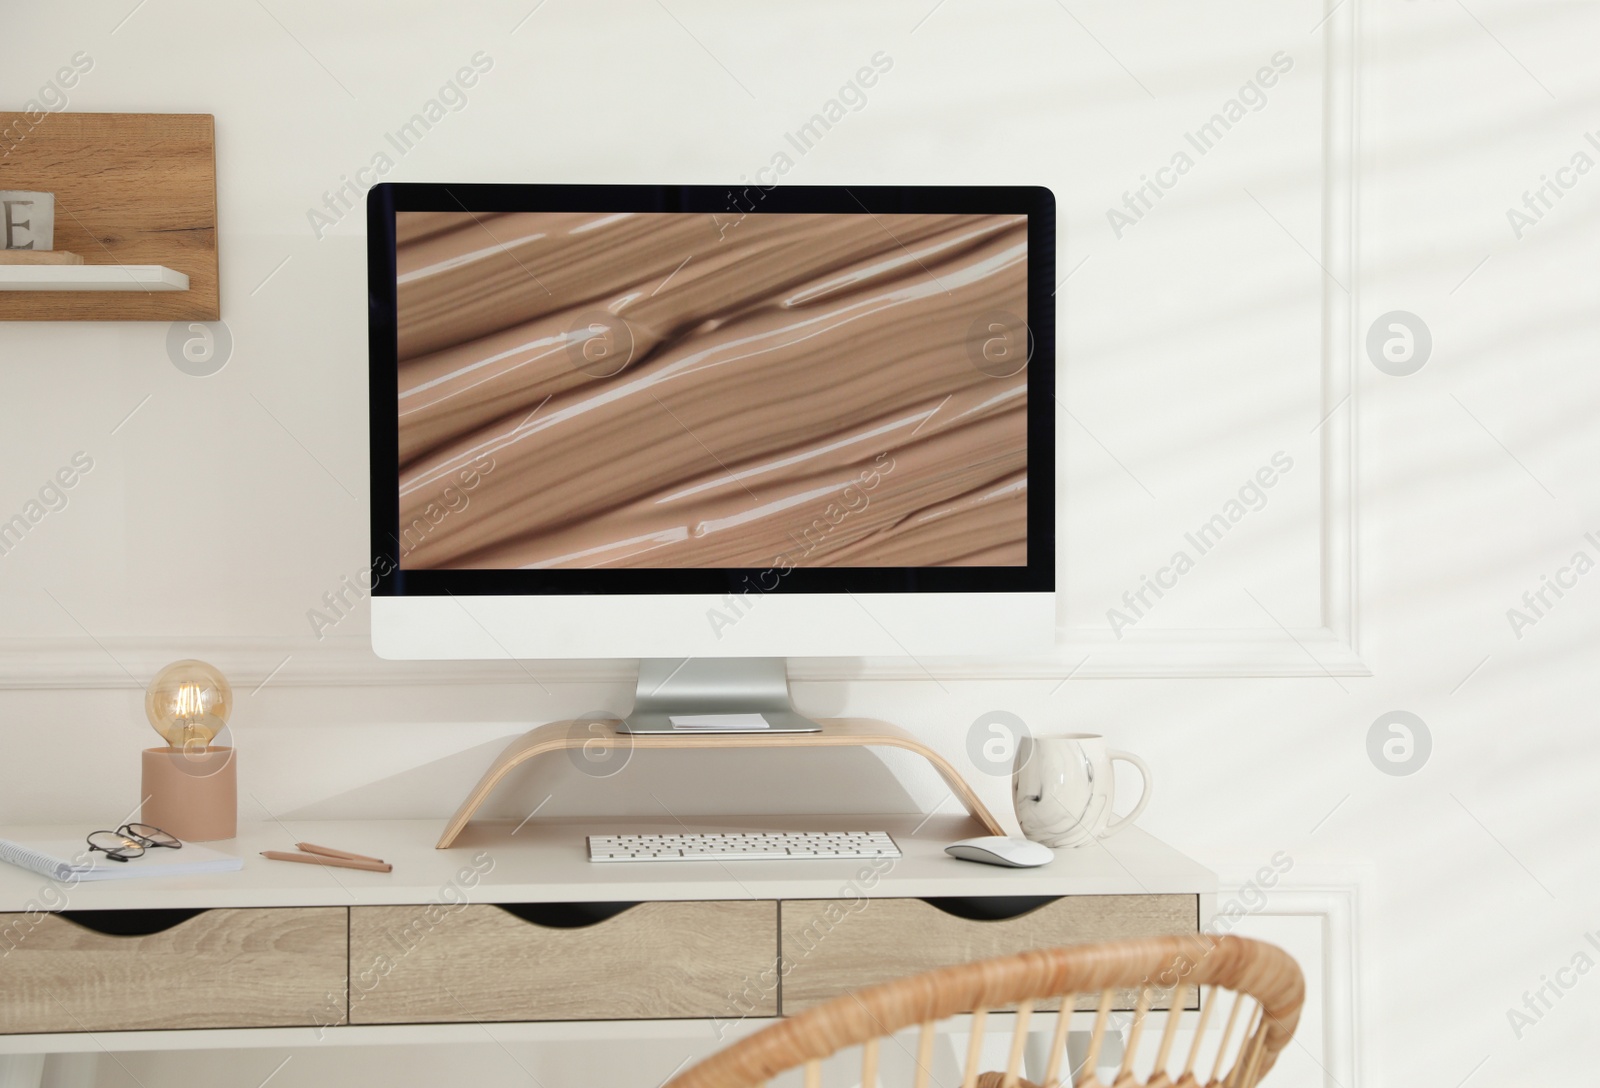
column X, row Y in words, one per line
column 190, row 786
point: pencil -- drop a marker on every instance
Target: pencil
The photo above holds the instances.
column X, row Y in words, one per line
column 330, row 852
column 318, row 859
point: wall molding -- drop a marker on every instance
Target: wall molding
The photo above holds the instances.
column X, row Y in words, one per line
column 348, row 661
column 251, row 663
column 1331, row 649
column 1335, row 903
column 1337, row 907
column 1328, row 650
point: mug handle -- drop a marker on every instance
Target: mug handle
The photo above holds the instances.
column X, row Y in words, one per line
column 1144, row 796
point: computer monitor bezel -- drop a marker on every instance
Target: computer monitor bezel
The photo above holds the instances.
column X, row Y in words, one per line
column 390, row 579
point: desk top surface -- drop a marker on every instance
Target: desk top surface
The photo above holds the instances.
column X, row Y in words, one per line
column 547, row 861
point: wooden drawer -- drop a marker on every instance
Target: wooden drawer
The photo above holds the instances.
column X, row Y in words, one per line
column 138, row 970
column 829, row 948
column 604, row 961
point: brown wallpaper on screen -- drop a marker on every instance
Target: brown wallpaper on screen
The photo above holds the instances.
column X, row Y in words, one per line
column 687, row 390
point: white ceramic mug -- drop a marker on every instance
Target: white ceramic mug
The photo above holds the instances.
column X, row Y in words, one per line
column 1064, row 789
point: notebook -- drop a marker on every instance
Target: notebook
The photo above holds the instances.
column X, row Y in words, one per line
column 71, row 860
column 714, row 722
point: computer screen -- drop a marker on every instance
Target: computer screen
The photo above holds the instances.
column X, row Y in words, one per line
column 664, row 389
column 692, row 389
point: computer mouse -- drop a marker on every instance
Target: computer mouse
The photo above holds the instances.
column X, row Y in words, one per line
column 1000, row 850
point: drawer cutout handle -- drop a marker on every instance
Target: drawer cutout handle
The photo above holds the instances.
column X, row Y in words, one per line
column 566, row 915
column 130, row 923
column 990, row 908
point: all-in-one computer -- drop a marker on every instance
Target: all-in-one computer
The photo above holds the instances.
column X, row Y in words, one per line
column 711, row 429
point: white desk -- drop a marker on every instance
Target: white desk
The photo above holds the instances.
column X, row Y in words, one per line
column 543, row 862
column 547, row 861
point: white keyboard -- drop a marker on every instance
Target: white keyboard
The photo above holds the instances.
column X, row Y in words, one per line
column 743, row 846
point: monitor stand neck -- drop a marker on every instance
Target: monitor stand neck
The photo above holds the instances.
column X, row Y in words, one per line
column 714, row 685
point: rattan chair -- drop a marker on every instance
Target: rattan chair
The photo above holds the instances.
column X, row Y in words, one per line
column 1267, row 991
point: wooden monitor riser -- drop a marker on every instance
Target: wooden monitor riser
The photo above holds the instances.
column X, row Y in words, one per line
column 603, row 735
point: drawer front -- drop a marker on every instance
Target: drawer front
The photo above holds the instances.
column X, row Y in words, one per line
column 828, row 950
column 221, row 968
column 482, row 963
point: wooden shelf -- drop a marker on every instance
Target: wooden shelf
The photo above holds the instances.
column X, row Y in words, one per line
column 91, row 277
column 135, row 192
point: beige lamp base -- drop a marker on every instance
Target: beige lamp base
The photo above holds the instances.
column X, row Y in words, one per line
column 193, row 794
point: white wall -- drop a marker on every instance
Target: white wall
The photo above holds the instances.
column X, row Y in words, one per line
column 1225, row 325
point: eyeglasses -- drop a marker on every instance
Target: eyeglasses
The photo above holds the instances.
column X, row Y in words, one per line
column 131, row 841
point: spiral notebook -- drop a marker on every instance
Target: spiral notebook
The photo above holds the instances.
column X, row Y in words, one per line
column 70, row 860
